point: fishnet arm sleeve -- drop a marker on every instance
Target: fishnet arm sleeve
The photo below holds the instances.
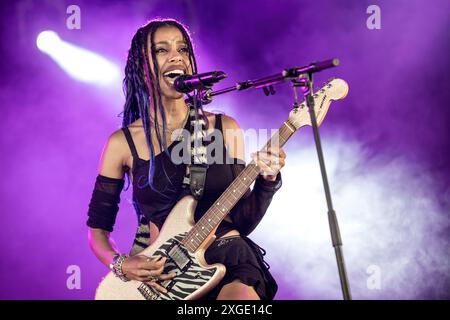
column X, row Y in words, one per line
column 104, row 203
column 251, row 208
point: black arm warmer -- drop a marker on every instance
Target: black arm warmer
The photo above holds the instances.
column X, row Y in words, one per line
column 104, row 203
column 249, row 211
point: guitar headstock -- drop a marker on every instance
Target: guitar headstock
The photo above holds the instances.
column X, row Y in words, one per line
column 336, row 89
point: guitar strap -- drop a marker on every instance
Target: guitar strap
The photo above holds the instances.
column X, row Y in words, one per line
column 195, row 176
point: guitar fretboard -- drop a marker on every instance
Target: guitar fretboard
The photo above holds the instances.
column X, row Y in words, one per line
column 214, row 216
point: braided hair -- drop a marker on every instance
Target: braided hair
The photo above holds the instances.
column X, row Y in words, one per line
column 141, row 88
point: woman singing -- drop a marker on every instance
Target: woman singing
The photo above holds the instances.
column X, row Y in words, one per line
column 161, row 50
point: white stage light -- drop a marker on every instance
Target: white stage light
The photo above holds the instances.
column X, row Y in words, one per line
column 79, row 63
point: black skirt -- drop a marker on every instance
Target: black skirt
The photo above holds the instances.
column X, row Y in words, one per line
column 244, row 260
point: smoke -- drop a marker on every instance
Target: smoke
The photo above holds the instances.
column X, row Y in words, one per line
column 395, row 235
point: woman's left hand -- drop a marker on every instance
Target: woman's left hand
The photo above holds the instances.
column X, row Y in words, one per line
column 270, row 162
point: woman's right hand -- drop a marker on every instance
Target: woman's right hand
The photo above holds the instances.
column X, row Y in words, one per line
column 147, row 269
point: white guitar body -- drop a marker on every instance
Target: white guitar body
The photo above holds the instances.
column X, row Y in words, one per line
column 193, row 284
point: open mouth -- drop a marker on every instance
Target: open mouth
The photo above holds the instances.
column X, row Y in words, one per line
column 171, row 75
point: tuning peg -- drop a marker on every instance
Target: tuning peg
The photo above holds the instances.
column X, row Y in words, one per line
column 269, row 90
column 272, row 90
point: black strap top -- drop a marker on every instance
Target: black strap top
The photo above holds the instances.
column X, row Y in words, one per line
column 156, row 203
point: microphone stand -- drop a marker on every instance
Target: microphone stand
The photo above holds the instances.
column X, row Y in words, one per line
column 332, row 219
column 267, row 84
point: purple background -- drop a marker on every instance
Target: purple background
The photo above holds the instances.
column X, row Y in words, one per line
column 397, row 113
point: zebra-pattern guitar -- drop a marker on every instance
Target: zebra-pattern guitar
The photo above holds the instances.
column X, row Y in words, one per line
column 184, row 242
column 183, row 263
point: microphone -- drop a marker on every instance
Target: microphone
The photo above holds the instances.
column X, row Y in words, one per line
column 187, row 83
column 311, row 68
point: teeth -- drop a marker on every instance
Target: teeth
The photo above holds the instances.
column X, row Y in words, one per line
column 178, row 72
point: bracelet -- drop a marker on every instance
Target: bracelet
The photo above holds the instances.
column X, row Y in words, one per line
column 116, row 266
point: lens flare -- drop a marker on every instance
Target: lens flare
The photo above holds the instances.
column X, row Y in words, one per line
column 81, row 64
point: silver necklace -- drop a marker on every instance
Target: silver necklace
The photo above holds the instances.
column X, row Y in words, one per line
column 172, row 130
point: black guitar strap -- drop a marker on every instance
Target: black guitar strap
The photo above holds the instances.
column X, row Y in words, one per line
column 195, row 176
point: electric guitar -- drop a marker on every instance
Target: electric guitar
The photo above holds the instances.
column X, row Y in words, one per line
column 184, row 242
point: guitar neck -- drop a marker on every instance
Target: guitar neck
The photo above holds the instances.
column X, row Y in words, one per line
column 214, row 216
column 335, row 89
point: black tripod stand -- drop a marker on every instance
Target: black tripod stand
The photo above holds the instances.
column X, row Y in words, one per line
column 307, row 83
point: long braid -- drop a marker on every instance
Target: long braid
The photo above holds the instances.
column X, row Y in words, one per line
column 146, row 112
column 193, row 62
column 158, row 106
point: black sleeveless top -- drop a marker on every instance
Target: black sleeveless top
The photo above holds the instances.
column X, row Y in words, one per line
column 156, row 203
